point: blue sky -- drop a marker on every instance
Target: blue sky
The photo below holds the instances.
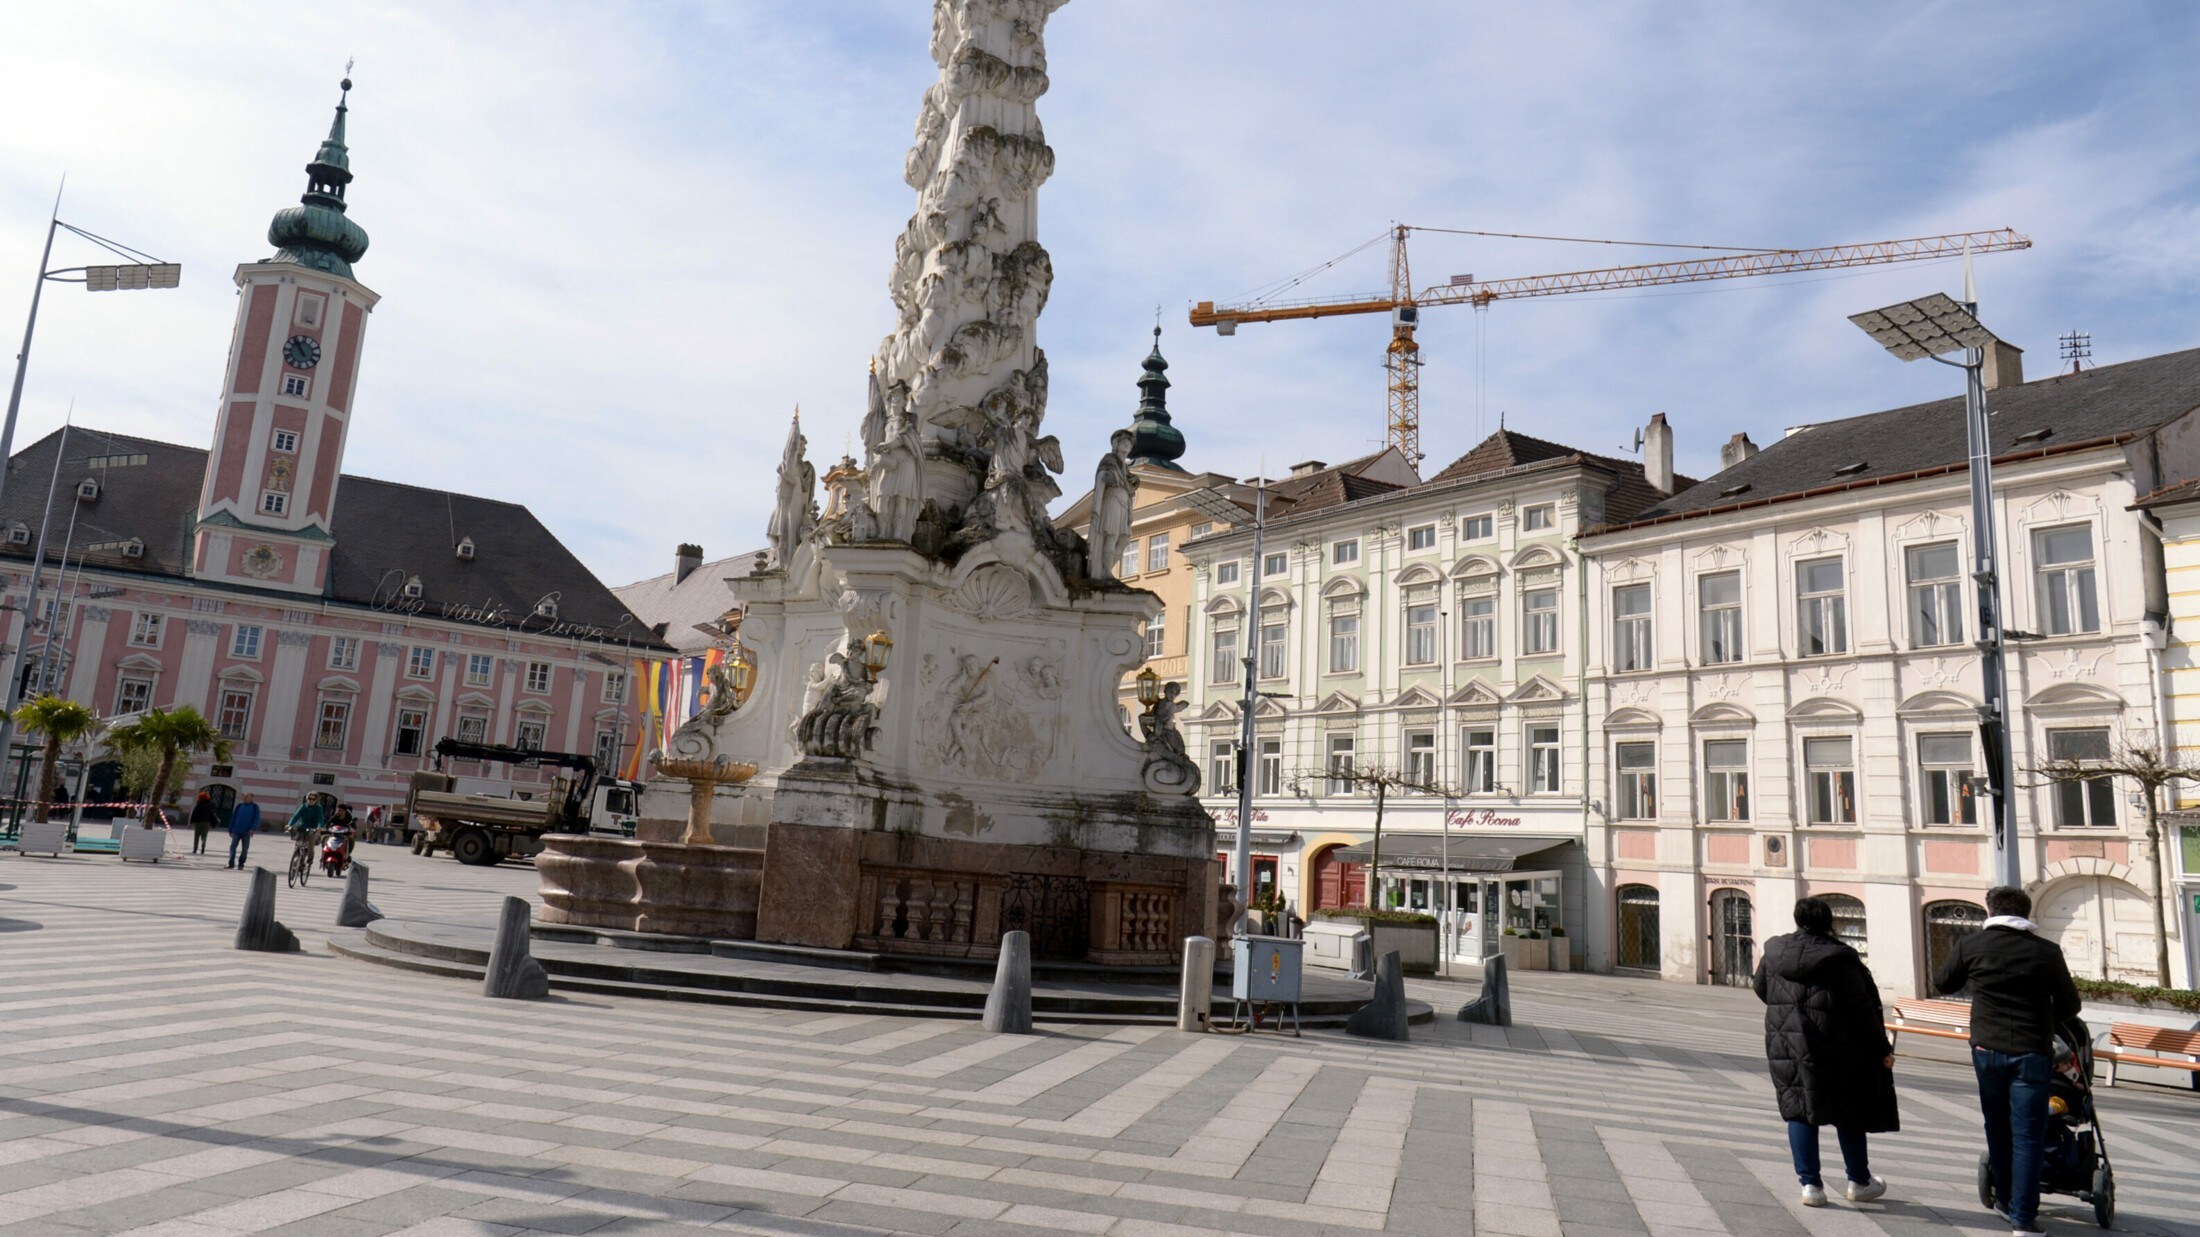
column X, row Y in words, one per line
column 617, row 244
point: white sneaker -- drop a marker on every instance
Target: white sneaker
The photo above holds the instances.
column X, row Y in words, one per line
column 1867, row 1191
column 2026, row 1232
column 1814, row 1196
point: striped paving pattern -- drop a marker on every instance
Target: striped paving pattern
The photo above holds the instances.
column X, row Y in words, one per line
column 154, row 1081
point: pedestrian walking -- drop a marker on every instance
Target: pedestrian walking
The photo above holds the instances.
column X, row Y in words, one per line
column 243, row 823
column 2020, row 992
column 377, row 828
column 204, row 816
column 1827, row 1045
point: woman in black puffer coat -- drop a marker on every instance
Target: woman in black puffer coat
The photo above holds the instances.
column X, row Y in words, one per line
column 1832, row 1063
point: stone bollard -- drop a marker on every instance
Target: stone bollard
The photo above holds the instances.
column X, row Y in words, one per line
column 1495, row 1006
column 1195, row 996
column 258, row 930
column 355, row 911
column 512, row 971
column 1383, row 1017
column 1008, row 1006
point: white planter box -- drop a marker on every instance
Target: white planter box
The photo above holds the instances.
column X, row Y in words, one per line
column 140, row 843
column 43, row 837
column 1329, row 944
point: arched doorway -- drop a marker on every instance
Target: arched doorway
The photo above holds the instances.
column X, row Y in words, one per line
column 1338, row 884
column 1945, row 924
column 224, row 798
column 1638, row 945
column 102, row 785
column 1733, row 938
column 2103, row 925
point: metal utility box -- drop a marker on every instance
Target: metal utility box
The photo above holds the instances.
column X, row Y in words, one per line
column 1266, row 968
column 1329, row 942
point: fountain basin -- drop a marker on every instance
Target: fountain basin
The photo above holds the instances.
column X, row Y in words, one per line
column 641, row 886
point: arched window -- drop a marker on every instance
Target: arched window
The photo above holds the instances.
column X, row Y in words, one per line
column 1945, row 924
column 1848, row 923
column 1638, row 927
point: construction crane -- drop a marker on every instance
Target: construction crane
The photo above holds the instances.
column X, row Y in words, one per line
column 1402, row 359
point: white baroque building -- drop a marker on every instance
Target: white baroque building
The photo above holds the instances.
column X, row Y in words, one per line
column 1784, row 694
column 1433, row 629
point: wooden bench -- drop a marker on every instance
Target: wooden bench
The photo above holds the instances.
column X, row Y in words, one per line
column 1917, row 1016
column 2132, row 1043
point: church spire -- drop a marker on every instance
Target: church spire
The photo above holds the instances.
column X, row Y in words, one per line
column 1153, row 439
column 316, row 232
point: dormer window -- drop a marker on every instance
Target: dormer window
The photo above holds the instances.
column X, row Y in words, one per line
column 412, row 586
column 19, row 534
column 547, row 608
column 465, row 549
column 87, row 490
column 133, row 548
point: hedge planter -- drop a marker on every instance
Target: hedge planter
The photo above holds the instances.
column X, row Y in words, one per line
column 1412, row 937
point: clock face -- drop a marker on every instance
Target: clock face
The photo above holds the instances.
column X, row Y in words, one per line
column 302, row 352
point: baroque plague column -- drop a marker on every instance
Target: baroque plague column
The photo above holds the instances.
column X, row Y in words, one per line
column 933, row 711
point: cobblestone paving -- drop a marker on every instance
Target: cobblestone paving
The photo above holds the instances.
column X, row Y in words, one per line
column 154, row 1081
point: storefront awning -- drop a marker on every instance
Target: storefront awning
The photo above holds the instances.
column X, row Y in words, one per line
column 1468, row 854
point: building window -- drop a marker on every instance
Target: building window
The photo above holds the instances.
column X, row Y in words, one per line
column 614, row 687
column 245, row 641
column 1221, row 767
column 2067, row 601
column 343, row 653
column 296, row 384
column 1631, row 627
column 1638, row 780
column 2082, row 801
column 286, row 440
column 1224, row 658
column 1344, row 640
column 1226, row 572
column 1944, row 779
column 1638, row 928
column 538, row 676
column 1152, row 635
column 1539, row 621
column 1421, row 633
column 1936, row 594
column 533, row 732
column 1481, row 746
column 274, row 502
column 133, row 695
column 1421, row 758
column 1543, row 760
column 1848, row 923
column 145, row 631
column 1821, row 608
column 1829, row 769
column 1157, row 552
column 1343, row 751
column 1128, row 564
column 607, row 747
column 1273, row 629
column 1421, row 537
column 1478, row 628
column 1945, row 924
column 333, row 727
column 234, row 715
column 1719, row 614
column 1726, row 779
column 478, row 669
column 412, row 732
column 1345, row 553
column 1202, row 528
column 1275, row 565
column 420, row 662
column 473, row 728
column 1271, row 766
column 1540, row 517
column 1478, row 528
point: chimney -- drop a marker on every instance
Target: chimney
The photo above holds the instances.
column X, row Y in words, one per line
column 1737, row 449
column 1657, row 453
column 1305, row 467
column 2004, row 366
column 685, row 560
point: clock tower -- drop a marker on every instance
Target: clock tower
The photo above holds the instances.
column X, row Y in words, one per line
column 269, row 496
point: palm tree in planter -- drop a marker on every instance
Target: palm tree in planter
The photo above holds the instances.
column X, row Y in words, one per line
column 61, row 723
column 172, row 735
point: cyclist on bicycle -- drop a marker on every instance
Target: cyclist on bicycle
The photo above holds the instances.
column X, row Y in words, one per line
column 306, row 821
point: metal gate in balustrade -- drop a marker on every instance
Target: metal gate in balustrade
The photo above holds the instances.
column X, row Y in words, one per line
column 1055, row 910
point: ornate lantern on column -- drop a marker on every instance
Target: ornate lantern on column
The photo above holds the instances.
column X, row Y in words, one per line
column 1149, row 688
column 878, row 647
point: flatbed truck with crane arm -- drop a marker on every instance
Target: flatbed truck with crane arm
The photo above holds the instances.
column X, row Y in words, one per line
column 482, row 829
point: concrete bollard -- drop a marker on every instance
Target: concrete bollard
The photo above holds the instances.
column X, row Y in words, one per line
column 1495, row 1006
column 258, row 930
column 355, row 911
column 513, row 972
column 1383, row 1017
column 1008, row 1006
column 1195, row 996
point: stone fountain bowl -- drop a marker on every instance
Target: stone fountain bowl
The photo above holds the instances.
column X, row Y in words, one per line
column 640, row 886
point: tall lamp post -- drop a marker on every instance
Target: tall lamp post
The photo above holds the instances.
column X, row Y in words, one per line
column 1929, row 328
column 1212, row 503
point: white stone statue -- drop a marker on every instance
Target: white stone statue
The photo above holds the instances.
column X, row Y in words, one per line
column 874, row 415
column 1112, row 489
column 794, row 512
column 897, row 479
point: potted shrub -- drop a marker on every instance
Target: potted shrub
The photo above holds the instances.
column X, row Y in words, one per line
column 1535, row 951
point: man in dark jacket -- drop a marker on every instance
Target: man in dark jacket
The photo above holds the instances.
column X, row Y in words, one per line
column 1827, row 1045
column 204, row 816
column 2020, row 992
column 244, row 821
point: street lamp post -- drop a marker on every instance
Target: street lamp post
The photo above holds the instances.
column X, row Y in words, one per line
column 1210, row 502
column 1926, row 329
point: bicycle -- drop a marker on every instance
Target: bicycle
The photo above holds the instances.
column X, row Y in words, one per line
column 301, row 860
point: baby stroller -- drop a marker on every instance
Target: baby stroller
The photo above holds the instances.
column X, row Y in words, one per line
column 2076, row 1162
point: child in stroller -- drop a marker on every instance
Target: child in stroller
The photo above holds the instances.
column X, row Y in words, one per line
column 2076, row 1158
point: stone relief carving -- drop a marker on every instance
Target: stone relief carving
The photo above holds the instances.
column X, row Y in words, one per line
column 992, row 719
column 293, row 639
column 843, row 722
column 97, row 614
column 993, row 592
column 202, row 627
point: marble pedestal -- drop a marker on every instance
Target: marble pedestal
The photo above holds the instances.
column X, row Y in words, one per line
column 644, row 886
